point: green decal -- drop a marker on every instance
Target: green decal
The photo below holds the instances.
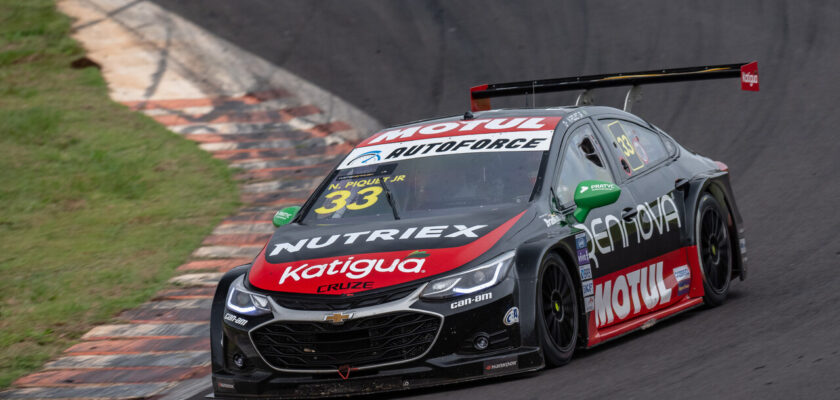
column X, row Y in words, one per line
column 417, row 254
column 285, row 216
column 593, row 194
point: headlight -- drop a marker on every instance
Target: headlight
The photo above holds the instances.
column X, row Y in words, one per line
column 244, row 302
column 478, row 278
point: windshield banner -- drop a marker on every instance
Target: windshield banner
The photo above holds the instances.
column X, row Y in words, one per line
column 539, row 140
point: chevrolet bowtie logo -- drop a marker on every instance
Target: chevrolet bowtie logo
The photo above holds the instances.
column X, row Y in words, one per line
column 338, row 318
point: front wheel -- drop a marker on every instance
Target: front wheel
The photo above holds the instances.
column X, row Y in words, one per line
column 714, row 249
column 557, row 311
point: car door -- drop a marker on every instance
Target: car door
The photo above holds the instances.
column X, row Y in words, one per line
column 603, row 251
column 653, row 223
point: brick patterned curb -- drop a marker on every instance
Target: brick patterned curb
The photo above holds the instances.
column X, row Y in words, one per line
column 279, row 140
column 282, row 153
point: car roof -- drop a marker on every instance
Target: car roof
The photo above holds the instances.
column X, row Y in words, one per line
column 562, row 112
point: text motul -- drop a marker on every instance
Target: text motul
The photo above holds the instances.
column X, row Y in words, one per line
column 630, row 293
column 495, row 124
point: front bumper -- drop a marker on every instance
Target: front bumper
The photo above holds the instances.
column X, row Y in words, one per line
column 452, row 356
column 430, row 372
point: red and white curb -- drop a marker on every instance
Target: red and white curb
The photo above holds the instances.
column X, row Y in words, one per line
column 261, row 120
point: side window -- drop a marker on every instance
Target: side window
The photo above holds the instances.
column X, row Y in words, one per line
column 582, row 159
column 634, row 146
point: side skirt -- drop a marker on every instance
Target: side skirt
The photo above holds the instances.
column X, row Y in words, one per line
column 642, row 322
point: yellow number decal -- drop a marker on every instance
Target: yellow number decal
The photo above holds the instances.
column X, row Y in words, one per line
column 338, row 203
column 370, row 199
column 626, row 146
column 339, row 200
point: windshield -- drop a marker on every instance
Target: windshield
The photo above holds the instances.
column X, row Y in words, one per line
column 419, row 185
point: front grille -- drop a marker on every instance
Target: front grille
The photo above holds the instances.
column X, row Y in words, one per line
column 339, row 303
column 380, row 339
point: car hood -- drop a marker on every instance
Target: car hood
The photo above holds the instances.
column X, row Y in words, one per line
column 348, row 258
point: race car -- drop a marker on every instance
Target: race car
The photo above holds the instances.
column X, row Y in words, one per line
column 496, row 242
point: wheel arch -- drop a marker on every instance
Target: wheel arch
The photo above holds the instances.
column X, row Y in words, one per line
column 532, row 255
column 719, row 187
column 566, row 254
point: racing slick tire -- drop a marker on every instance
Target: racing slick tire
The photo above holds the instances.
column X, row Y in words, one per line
column 714, row 249
column 557, row 311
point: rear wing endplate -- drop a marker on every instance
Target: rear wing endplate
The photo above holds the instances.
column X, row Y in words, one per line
column 748, row 72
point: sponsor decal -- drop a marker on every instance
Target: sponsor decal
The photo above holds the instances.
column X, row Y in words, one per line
column 587, row 288
column 352, row 269
column 580, row 240
column 589, row 303
column 344, row 286
column 551, row 219
column 683, row 276
column 471, row 300
column 338, row 318
column 348, row 239
column 511, row 316
column 599, row 187
column 585, row 272
column 649, row 324
column 236, row 320
column 386, row 169
column 644, row 288
column 483, row 143
column 499, row 365
column 749, row 77
column 574, row 117
column 366, row 157
column 582, row 256
column 301, row 274
column 647, row 223
column 470, row 127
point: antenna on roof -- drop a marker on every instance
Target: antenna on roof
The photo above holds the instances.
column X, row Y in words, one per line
column 634, row 95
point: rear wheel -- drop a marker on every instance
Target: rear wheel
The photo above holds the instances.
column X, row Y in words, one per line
column 557, row 309
column 714, row 249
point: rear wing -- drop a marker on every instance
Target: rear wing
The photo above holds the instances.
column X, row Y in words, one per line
column 480, row 95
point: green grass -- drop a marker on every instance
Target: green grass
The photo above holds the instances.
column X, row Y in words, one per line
column 98, row 204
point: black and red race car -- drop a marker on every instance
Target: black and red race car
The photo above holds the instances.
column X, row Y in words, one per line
column 487, row 244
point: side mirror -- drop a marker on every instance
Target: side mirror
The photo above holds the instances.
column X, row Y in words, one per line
column 593, row 194
column 285, row 216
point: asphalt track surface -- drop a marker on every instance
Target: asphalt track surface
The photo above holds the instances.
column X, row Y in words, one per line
column 778, row 335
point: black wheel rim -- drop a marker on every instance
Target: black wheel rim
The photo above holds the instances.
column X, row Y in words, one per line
column 714, row 249
column 559, row 307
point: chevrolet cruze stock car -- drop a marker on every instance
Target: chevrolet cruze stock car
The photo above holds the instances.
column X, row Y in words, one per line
column 493, row 243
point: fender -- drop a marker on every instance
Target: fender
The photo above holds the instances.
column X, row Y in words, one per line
column 217, row 354
column 529, row 257
column 718, row 185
